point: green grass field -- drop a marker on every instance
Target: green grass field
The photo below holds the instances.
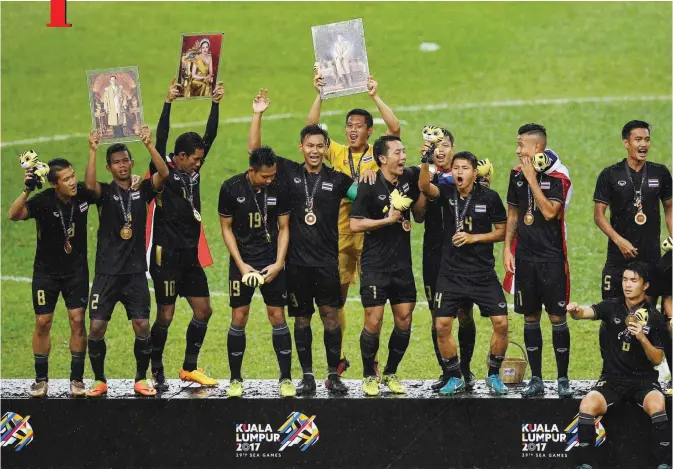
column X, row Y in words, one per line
column 495, row 60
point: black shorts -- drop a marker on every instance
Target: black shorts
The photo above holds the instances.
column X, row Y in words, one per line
column 431, row 265
column 660, row 277
column 398, row 286
column 240, row 294
column 540, row 283
column 618, row 389
column 130, row 289
column 484, row 291
column 308, row 285
column 74, row 288
column 177, row 272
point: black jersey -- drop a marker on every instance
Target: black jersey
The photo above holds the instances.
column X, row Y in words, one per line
column 313, row 245
column 623, row 356
column 543, row 240
column 615, row 189
column 389, row 248
column 484, row 210
column 51, row 214
column 433, row 236
column 115, row 255
column 249, row 208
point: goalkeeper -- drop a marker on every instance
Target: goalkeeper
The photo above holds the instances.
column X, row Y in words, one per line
column 381, row 210
column 255, row 218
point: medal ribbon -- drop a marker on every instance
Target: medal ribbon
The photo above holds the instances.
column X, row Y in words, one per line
column 126, row 212
column 356, row 175
column 638, row 193
column 190, row 196
column 459, row 220
column 66, row 231
column 266, row 208
column 309, row 199
column 531, row 201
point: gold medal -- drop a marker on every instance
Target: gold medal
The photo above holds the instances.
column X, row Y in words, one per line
column 406, row 225
column 528, row 219
column 640, row 218
column 630, row 319
column 126, row 232
column 197, row 215
column 67, row 247
column 310, row 218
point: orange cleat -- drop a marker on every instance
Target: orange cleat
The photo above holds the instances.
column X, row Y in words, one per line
column 197, row 376
column 99, row 389
column 144, row 388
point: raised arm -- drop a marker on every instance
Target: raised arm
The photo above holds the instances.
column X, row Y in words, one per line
column 387, row 114
column 577, row 312
column 18, row 210
column 90, row 175
column 654, row 355
column 213, row 118
column 157, row 160
column 424, row 185
column 174, row 90
column 259, row 105
column 318, row 83
column 550, row 209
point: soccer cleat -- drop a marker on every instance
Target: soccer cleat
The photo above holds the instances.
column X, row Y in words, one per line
column 197, row 376
column 159, row 379
column 306, row 385
column 370, row 386
column 38, row 389
column 393, row 383
column 344, row 364
column 668, row 392
column 535, row 387
column 469, row 379
column 584, row 466
column 440, row 383
column 663, row 466
column 453, row 386
column 286, row 388
column 77, row 389
column 99, row 389
column 144, row 388
column 335, row 385
column 496, row 385
column 563, row 388
column 235, row 388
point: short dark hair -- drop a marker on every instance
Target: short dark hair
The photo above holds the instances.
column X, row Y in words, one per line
column 466, row 155
column 55, row 166
column 381, row 146
column 639, row 268
column 262, row 156
column 447, row 134
column 313, row 129
column 116, row 148
column 369, row 120
column 630, row 125
column 188, row 142
column 533, row 129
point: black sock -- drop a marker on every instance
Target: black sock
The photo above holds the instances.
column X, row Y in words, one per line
column 97, row 351
column 41, row 367
column 236, row 350
column 561, row 343
column 661, row 438
column 369, row 346
column 158, row 338
column 282, row 344
column 451, row 367
column 332, row 340
column 586, row 439
column 494, row 364
column 196, row 332
column 303, row 339
column 397, row 346
column 467, row 336
column 435, row 345
column 77, row 365
column 532, row 338
column 142, row 350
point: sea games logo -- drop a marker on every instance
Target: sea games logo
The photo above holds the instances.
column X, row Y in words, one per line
column 542, row 440
column 15, row 431
column 260, row 440
column 573, row 434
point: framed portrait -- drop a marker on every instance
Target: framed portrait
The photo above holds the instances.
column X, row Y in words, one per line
column 341, row 57
column 116, row 103
column 199, row 64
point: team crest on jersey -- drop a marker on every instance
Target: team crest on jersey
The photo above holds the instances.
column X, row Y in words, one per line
column 480, row 208
column 56, row 214
column 135, row 195
column 621, row 183
column 519, row 183
column 271, row 201
column 367, row 159
column 240, row 200
column 618, row 321
column 452, row 202
column 545, row 185
column 297, row 180
column 382, row 197
column 116, row 198
column 327, row 186
column 83, row 207
column 176, row 177
column 502, row 305
column 653, row 183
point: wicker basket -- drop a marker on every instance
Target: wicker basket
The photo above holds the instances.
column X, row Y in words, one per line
column 513, row 369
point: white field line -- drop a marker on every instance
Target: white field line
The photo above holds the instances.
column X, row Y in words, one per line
column 10, row 278
column 412, row 108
